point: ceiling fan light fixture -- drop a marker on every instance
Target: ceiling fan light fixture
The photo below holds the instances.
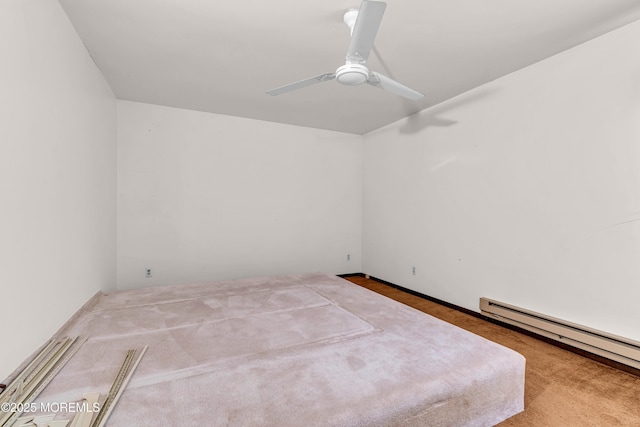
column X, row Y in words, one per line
column 364, row 24
column 352, row 74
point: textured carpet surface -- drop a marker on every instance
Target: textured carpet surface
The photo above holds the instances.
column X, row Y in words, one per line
column 561, row 388
column 287, row 351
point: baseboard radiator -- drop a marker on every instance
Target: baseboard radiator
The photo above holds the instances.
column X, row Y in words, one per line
column 604, row 344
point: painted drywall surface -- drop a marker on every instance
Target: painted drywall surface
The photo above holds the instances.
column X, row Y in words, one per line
column 204, row 197
column 526, row 190
column 57, row 177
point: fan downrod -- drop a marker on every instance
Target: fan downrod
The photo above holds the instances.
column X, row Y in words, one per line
column 349, row 18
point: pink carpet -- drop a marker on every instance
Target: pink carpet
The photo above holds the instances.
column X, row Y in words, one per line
column 299, row 350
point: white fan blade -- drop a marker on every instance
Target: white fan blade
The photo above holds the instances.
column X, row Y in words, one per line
column 390, row 85
column 365, row 30
column 302, row 83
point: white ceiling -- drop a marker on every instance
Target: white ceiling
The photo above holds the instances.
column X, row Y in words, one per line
column 221, row 56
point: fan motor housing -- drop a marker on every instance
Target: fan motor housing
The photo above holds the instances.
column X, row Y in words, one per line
column 352, row 74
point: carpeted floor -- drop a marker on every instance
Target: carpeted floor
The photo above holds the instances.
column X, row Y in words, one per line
column 298, row 350
column 561, row 387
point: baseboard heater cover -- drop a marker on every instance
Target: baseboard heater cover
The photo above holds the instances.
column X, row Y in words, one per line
column 604, row 344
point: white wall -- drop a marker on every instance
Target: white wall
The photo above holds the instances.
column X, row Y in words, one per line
column 205, row 197
column 57, row 176
column 526, row 190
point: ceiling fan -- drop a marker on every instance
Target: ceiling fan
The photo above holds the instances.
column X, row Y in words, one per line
column 364, row 24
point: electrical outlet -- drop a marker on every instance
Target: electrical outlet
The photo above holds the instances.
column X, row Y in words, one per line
column 148, row 273
column 413, row 270
column 348, row 257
